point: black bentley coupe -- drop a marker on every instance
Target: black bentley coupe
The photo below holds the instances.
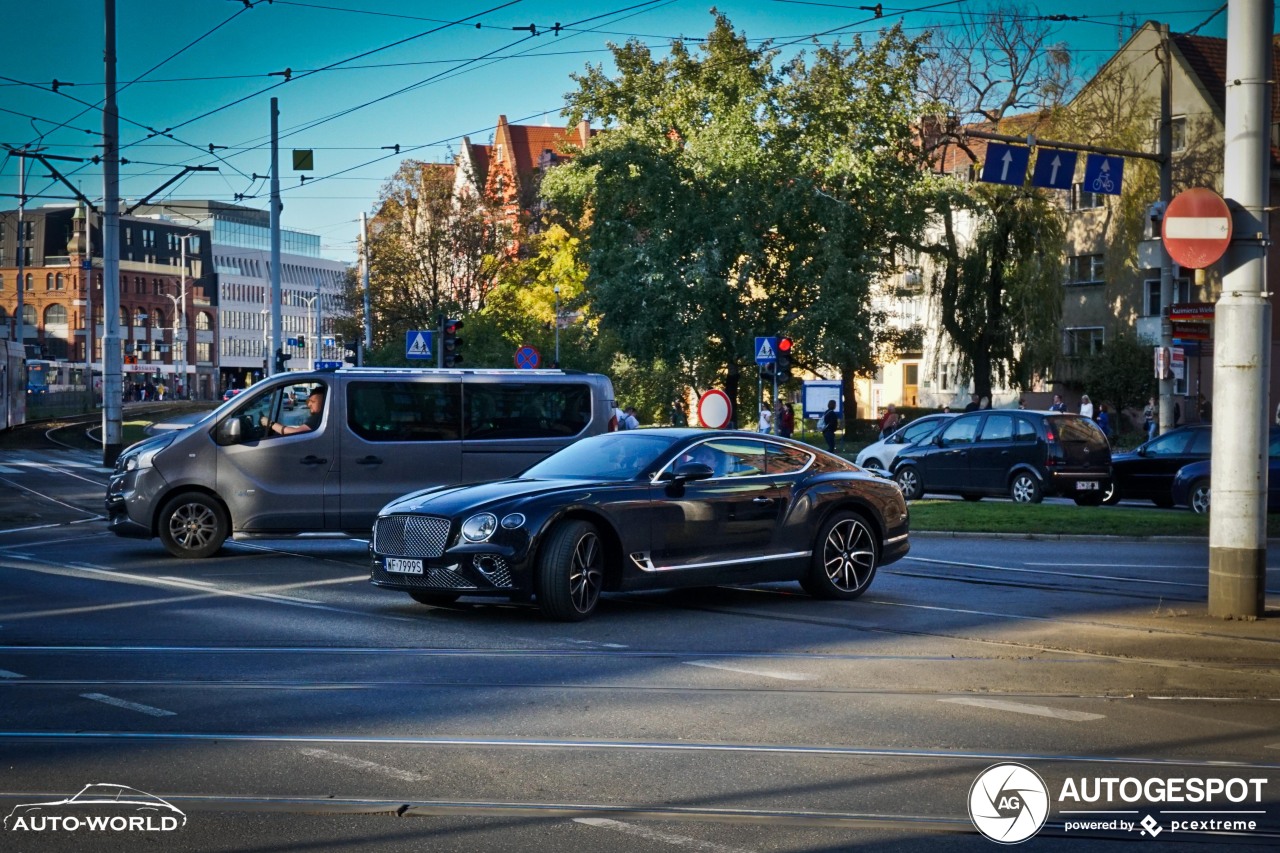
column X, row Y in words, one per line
column 646, row 509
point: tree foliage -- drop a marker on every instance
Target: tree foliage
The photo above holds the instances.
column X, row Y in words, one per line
column 730, row 198
column 1122, row 374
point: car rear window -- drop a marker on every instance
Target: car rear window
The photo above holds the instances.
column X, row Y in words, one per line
column 1077, row 429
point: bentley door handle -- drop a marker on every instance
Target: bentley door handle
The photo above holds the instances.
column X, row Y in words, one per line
column 762, row 500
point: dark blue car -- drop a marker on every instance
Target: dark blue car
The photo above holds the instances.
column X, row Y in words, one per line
column 1191, row 484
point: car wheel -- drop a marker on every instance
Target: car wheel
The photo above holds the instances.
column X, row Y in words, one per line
column 844, row 560
column 1089, row 499
column 193, row 526
column 1025, row 489
column 908, row 480
column 436, row 599
column 1111, row 496
column 873, row 463
column 571, row 571
column 971, row 497
column 1199, row 497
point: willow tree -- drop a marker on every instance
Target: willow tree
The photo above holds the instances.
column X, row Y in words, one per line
column 730, row 198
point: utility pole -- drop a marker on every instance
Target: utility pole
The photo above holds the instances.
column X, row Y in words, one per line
column 277, row 339
column 22, row 279
column 112, row 366
column 362, row 352
column 1242, row 353
column 1166, row 420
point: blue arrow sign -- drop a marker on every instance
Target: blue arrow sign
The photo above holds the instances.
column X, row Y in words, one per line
column 1006, row 164
column 1055, row 169
column 1103, row 174
column 766, row 350
column 417, row 344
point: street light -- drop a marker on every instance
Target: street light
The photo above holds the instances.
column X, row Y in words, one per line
column 556, row 290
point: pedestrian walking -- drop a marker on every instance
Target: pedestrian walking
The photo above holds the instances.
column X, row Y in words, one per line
column 829, row 422
column 1086, row 407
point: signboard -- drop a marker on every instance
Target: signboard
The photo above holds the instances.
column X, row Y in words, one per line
column 417, row 344
column 1055, row 169
column 1178, row 364
column 1191, row 312
column 1103, row 174
column 714, row 409
column 326, row 365
column 1191, row 331
column 766, row 350
column 527, row 358
column 816, row 395
column 303, row 160
column 1196, row 228
column 1006, row 164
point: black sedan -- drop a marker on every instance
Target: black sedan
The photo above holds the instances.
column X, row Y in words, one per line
column 1147, row 472
column 646, row 509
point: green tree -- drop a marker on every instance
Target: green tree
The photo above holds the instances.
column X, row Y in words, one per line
column 730, row 199
column 1122, row 374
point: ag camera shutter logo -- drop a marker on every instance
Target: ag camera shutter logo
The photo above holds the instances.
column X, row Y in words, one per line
column 1008, row 803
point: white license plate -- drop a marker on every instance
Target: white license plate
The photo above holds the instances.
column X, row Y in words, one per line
column 1086, row 485
column 404, row 567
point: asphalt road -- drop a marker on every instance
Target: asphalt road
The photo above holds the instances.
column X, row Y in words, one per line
column 282, row 703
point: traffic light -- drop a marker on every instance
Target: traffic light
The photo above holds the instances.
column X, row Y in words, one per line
column 302, row 342
column 450, row 343
column 783, row 365
column 282, row 361
column 767, row 369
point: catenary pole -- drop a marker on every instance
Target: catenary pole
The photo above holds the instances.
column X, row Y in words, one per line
column 112, row 358
column 1242, row 334
column 277, row 338
column 1166, row 419
column 363, row 352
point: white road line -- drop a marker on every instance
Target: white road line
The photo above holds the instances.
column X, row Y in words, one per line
column 293, row 598
column 4, row 673
column 132, row 706
column 167, row 578
column 1022, row 708
column 766, row 673
column 361, row 764
column 644, row 832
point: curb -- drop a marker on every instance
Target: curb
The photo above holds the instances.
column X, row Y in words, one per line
column 1065, row 537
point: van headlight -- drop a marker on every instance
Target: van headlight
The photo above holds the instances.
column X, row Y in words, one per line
column 478, row 528
column 144, row 458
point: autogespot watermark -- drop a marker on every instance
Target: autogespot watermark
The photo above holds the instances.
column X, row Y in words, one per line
column 101, row 807
column 1010, row 803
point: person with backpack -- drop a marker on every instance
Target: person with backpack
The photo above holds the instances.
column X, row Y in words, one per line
column 829, row 422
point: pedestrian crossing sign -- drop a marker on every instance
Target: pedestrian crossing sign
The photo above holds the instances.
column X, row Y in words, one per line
column 417, row 344
column 766, row 350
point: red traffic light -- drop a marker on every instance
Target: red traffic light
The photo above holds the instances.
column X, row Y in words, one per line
column 784, row 344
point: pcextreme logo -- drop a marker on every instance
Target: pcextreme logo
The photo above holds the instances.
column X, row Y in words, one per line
column 99, row 807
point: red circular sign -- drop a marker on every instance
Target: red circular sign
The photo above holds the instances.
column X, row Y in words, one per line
column 1196, row 228
column 714, row 409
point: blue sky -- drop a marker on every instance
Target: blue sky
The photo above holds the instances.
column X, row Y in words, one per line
column 370, row 74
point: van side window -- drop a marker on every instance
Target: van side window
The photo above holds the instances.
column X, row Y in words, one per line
column 405, row 411
column 535, row 410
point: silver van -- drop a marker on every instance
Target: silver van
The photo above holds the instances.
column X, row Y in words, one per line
column 274, row 461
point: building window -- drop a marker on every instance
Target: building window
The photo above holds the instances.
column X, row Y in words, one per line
column 202, row 322
column 58, row 282
column 31, row 282
column 1179, row 128
column 1151, row 305
column 1086, row 269
column 1082, row 199
column 1083, row 340
column 48, row 281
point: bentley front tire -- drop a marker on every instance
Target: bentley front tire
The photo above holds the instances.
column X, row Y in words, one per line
column 571, row 571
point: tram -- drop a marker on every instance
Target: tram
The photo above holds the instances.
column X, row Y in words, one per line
column 13, row 385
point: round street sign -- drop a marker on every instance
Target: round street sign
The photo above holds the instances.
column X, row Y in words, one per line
column 1197, row 228
column 527, row 358
column 714, row 409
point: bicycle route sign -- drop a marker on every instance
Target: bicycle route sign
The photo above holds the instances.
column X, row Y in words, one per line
column 1103, row 174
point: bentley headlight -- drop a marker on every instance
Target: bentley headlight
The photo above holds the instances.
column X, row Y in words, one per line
column 478, row 528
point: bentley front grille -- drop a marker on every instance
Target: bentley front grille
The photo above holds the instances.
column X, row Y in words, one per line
column 411, row 536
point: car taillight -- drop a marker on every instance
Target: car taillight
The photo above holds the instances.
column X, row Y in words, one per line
column 1049, row 436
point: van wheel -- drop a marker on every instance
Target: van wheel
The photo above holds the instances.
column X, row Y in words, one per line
column 571, row 571
column 193, row 526
column 908, row 479
column 436, row 599
column 844, row 559
column 1199, row 499
column 1024, row 489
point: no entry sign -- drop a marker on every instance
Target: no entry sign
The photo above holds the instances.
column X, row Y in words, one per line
column 714, row 409
column 1197, row 228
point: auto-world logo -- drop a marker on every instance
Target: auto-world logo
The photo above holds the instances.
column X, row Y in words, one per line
column 1008, row 803
column 100, row 807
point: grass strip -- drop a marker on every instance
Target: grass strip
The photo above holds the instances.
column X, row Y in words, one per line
column 997, row 516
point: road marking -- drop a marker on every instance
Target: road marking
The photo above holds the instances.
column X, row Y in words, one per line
column 132, row 706
column 4, row 673
column 361, row 764
column 1022, row 708
column 169, row 578
column 590, row 643
column 1072, row 575
column 654, row 835
column 766, row 673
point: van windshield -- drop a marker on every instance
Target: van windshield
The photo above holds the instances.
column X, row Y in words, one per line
column 613, row 456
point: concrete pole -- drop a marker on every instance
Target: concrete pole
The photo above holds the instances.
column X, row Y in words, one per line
column 362, row 353
column 1242, row 337
column 277, row 338
column 112, row 358
column 1166, row 420
column 22, row 278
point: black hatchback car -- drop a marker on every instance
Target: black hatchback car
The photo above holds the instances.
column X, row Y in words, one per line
column 1023, row 454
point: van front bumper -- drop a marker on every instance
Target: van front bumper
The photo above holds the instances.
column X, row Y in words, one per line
column 130, row 502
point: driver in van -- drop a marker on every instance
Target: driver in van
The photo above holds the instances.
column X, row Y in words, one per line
column 315, row 411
